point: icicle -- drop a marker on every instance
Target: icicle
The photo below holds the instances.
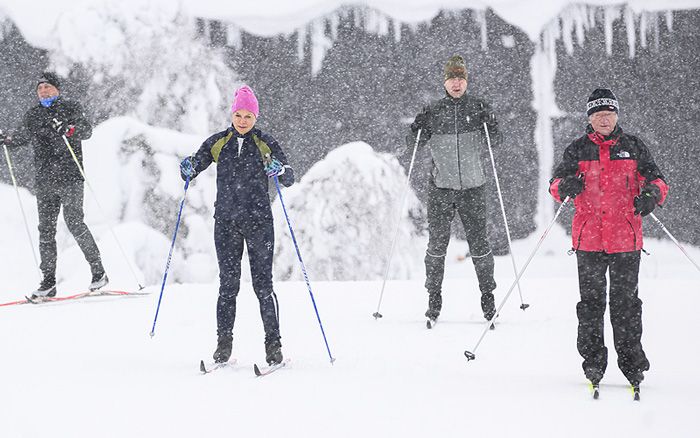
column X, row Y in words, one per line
column 643, row 30
column 319, row 46
column 233, row 37
column 611, row 14
column 669, row 21
column 631, row 33
column 334, row 23
column 301, row 42
column 480, row 18
column 657, row 33
column 581, row 24
column 566, row 29
column 397, row 30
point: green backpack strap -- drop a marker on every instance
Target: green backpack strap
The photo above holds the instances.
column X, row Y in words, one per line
column 265, row 150
column 218, row 145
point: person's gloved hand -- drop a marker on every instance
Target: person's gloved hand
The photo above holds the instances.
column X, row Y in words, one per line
column 274, row 168
column 646, row 202
column 570, row 186
column 62, row 128
column 187, row 168
column 422, row 122
column 4, row 138
column 487, row 117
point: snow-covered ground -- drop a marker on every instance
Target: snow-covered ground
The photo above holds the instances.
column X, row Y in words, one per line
column 89, row 368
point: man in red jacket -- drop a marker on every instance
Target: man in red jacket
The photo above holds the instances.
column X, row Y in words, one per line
column 615, row 182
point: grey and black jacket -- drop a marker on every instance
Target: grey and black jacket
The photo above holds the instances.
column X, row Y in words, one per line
column 455, row 136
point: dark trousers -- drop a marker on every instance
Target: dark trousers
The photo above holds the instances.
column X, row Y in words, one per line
column 259, row 238
column 625, row 313
column 470, row 204
column 50, row 199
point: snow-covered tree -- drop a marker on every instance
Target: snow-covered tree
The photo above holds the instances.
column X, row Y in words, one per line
column 146, row 61
column 344, row 213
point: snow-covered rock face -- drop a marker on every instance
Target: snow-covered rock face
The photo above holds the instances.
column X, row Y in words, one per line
column 344, row 213
column 146, row 61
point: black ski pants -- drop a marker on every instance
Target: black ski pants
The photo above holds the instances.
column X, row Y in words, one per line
column 625, row 313
column 50, row 199
column 470, row 204
column 259, row 238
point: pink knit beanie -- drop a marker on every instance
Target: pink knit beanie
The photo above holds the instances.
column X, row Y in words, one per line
column 244, row 98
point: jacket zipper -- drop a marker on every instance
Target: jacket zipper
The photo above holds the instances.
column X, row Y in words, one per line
column 459, row 167
column 633, row 233
column 580, row 234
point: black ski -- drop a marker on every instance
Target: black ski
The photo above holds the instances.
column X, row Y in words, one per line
column 211, row 367
column 264, row 371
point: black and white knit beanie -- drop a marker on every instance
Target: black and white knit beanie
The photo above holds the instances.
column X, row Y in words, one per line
column 602, row 99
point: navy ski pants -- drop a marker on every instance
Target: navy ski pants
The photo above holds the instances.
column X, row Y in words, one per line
column 229, row 237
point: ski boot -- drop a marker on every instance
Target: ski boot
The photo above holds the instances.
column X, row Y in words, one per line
column 434, row 307
column 99, row 280
column 223, row 349
column 47, row 288
column 273, row 350
column 488, row 306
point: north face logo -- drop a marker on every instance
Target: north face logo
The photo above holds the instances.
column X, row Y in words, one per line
column 623, row 154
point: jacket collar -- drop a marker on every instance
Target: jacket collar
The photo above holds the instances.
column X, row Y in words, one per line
column 247, row 135
column 600, row 139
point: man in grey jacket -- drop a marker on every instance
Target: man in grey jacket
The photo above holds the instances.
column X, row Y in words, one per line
column 452, row 128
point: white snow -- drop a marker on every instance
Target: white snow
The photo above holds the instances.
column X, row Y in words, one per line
column 88, row 368
column 344, row 215
column 37, row 19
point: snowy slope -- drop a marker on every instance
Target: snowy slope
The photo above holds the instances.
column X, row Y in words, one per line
column 86, row 369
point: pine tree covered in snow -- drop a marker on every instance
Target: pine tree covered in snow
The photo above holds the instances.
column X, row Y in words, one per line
column 147, row 61
column 344, row 213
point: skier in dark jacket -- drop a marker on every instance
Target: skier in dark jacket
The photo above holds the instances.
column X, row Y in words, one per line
column 614, row 182
column 51, row 126
column 452, row 127
column 246, row 158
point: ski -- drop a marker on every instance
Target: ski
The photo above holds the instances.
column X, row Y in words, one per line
column 264, row 371
column 211, row 367
column 430, row 323
column 99, row 293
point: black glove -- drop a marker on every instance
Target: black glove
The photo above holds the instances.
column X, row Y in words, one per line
column 646, row 202
column 62, row 128
column 487, row 117
column 570, row 186
column 4, row 138
column 422, row 122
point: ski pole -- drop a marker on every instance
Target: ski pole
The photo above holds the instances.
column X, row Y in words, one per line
column 470, row 355
column 21, row 207
column 398, row 222
column 663, row 227
column 170, row 255
column 104, row 216
column 503, row 211
column 303, row 269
